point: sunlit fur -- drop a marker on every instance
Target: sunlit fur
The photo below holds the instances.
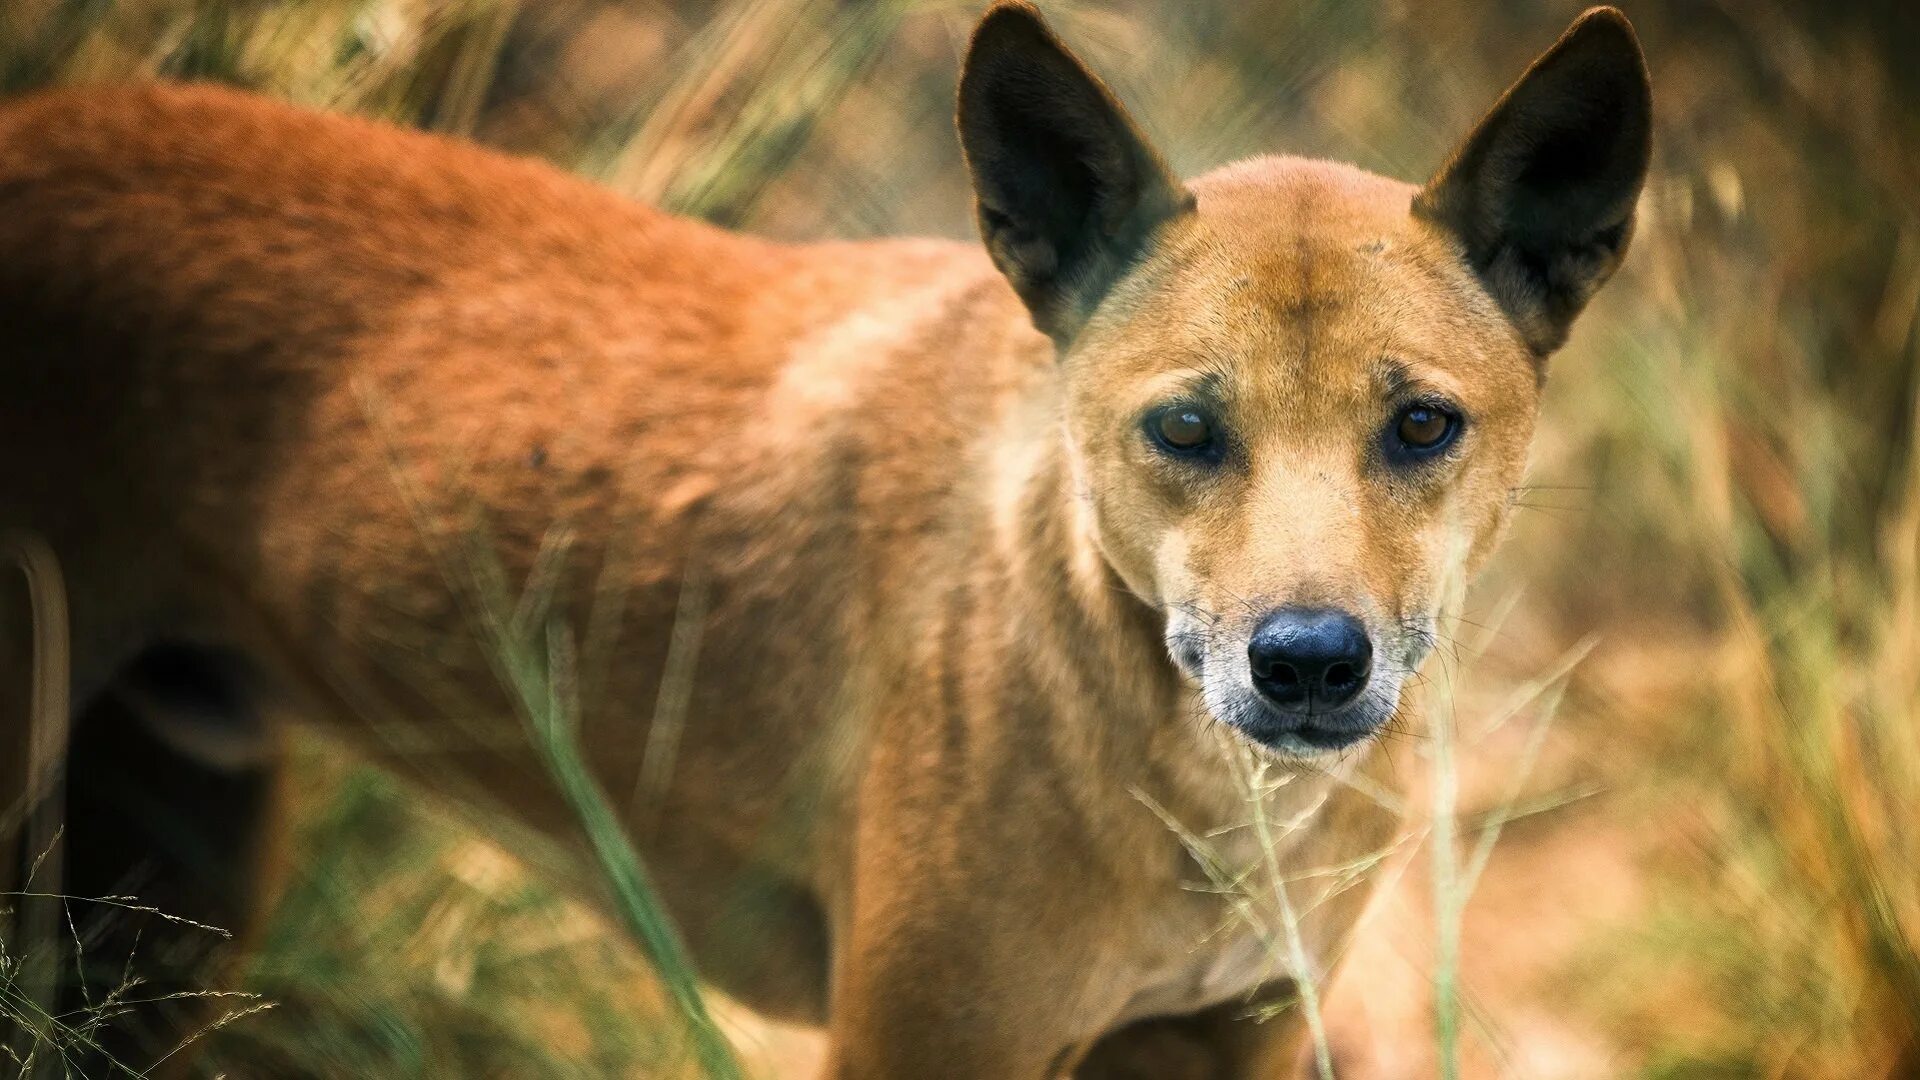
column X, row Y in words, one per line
column 969, row 643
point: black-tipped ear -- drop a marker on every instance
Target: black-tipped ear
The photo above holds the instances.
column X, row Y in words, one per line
column 1067, row 190
column 1542, row 193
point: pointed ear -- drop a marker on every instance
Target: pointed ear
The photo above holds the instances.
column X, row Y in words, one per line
column 1542, row 193
column 1067, row 190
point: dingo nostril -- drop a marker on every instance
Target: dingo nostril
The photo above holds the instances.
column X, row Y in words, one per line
column 1310, row 658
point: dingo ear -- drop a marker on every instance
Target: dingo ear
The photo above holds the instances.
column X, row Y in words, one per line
column 1542, row 193
column 1067, row 190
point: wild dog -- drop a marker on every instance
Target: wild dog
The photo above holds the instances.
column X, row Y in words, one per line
column 1001, row 556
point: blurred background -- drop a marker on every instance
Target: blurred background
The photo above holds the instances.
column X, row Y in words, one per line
column 1689, row 683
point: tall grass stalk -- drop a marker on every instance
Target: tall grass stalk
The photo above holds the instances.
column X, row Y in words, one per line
column 1261, row 894
column 1449, row 898
column 1455, row 878
column 534, row 651
column 1306, row 972
column 752, row 89
column 675, row 695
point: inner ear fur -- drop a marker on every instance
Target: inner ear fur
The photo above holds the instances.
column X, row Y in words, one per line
column 1541, row 194
column 1067, row 190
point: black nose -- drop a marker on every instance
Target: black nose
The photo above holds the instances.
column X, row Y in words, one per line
column 1310, row 659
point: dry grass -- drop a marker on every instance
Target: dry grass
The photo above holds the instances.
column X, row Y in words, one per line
column 1726, row 509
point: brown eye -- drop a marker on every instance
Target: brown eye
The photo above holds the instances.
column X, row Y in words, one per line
column 1183, row 429
column 1425, row 429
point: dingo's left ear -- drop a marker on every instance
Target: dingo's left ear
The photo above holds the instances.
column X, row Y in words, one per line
column 1542, row 193
column 1067, row 188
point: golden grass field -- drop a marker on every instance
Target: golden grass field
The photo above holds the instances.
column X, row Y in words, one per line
column 1685, row 696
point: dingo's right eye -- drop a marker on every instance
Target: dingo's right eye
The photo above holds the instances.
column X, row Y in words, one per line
column 1185, row 431
column 1422, row 430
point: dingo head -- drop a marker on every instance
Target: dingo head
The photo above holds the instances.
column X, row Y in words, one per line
column 1300, row 396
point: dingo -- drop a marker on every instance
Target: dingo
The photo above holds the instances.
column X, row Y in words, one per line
column 982, row 567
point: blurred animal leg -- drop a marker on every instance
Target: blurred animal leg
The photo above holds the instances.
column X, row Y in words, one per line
column 173, row 821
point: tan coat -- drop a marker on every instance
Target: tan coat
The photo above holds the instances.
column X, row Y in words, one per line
column 962, row 628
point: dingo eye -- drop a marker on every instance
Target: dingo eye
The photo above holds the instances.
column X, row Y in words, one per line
column 1185, row 430
column 1421, row 430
